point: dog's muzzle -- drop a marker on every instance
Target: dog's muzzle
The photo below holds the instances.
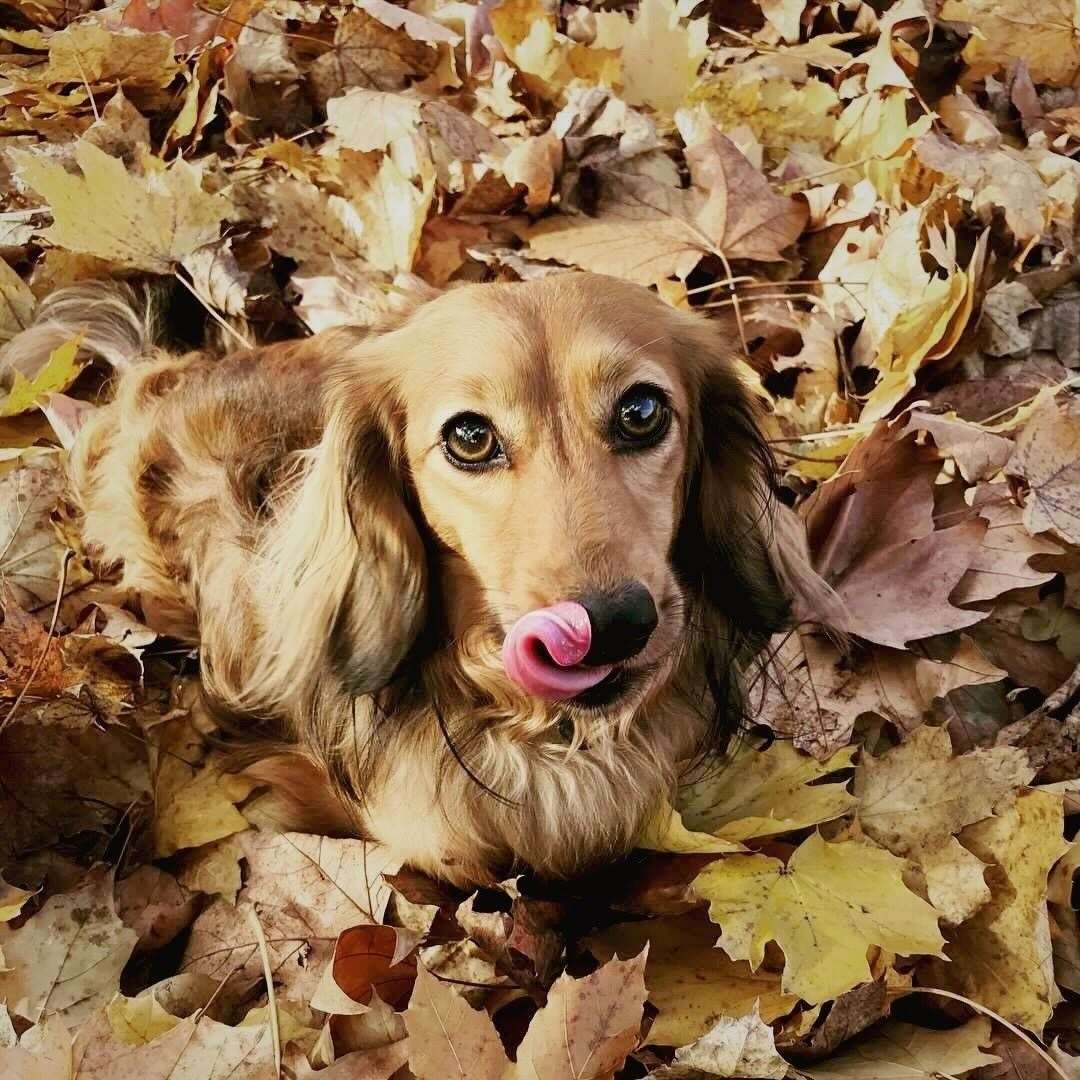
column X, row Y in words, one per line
column 544, row 650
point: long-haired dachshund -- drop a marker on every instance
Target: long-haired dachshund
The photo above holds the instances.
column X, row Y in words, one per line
column 486, row 576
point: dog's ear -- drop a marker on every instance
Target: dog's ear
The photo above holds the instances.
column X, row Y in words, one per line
column 739, row 548
column 343, row 571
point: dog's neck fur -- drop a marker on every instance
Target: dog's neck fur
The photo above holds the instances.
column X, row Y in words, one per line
column 541, row 783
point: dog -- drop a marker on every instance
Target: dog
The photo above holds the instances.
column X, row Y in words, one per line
column 478, row 586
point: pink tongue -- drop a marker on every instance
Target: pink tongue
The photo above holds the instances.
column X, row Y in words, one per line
column 544, row 649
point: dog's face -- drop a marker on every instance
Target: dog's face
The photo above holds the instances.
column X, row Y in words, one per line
column 570, row 456
column 547, row 435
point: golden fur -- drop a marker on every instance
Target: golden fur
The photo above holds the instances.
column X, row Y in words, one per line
column 288, row 508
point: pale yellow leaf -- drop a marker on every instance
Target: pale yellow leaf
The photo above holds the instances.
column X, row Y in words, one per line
column 17, row 303
column 146, row 222
column 57, row 374
column 1002, row 956
column 690, row 981
column 138, row 1020
column 824, row 909
column 913, row 798
column 905, row 1052
column 759, row 793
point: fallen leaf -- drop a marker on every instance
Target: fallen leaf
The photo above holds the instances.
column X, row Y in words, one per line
column 155, row 905
column 148, row 222
column 58, row 373
column 449, row 1039
column 1047, row 456
column 955, row 881
column 913, row 798
column 741, row 1047
column 66, row 960
column 824, row 909
column 777, row 790
column 1042, row 33
column 689, row 981
column 588, row 1025
column 905, row 1052
column 1001, row 956
column 17, row 303
column 88, row 53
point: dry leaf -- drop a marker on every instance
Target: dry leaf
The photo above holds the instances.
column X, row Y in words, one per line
column 913, row 798
column 1047, row 456
column 824, row 909
column 17, row 303
column 904, row 1052
column 741, row 1047
column 66, row 960
column 149, row 222
column 689, row 980
column 1001, row 957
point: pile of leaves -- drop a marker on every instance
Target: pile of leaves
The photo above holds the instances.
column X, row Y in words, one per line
column 882, row 202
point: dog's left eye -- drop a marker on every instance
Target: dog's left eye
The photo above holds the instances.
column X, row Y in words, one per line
column 470, row 440
column 642, row 415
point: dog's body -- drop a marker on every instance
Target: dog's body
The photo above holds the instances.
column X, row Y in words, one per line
column 296, row 512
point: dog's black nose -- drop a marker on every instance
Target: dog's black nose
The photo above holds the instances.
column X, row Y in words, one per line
column 622, row 620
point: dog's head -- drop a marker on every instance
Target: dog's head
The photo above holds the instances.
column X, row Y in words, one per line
column 564, row 477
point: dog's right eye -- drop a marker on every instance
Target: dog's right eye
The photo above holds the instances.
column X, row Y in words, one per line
column 469, row 440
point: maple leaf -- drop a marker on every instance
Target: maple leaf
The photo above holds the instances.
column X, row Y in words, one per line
column 872, row 531
column 778, row 791
column 155, row 905
column 588, row 1025
column 905, row 1052
column 646, row 229
column 308, row 889
column 955, row 880
column 148, row 222
column 88, row 53
column 448, row 1038
column 913, row 798
column 17, row 303
column 742, row 1047
column 1001, row 956
column 815, row 693
column 67, row 959
column 367, row 959
column 824, row 909
column 197, row 1046
column 690, row 982
column 1047, row 456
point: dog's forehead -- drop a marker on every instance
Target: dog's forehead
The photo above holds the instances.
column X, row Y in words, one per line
column 526, row 342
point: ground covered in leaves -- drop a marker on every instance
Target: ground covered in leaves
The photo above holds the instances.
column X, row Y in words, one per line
column 883, row 199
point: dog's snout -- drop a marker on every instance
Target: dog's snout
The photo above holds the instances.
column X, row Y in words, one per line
column 622, row 621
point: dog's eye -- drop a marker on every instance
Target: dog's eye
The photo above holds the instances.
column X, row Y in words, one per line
column 470, row 440
column 642, row 415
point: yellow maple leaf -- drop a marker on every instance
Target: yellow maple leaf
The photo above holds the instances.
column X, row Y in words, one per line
column 146, row 222
column 138, row 1020
column 825, row 909
column 661, row 56
column 87, row 53
column 773, row 793
column 689, row 981
column 58, row 373
column 1002, row 957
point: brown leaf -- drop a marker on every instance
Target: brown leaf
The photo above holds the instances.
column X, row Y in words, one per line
column 588, row 1025
column 1047, row 456
column 742, row 215
column 66, row 960
column 155, row 905
column 449, row 1039
column 308, row 890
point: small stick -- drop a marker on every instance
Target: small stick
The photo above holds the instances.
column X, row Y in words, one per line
column 268, row 975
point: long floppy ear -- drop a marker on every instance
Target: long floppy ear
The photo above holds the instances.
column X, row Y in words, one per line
column 739, row 547
column 341, row 574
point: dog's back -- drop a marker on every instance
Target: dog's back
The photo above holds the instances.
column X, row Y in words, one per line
column 176, row 477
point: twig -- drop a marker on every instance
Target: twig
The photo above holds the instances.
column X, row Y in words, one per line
column 271, row 998
column 211, row 311
column 68, row 555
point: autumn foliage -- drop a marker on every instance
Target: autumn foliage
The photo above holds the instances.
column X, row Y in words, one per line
column 882, row 200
